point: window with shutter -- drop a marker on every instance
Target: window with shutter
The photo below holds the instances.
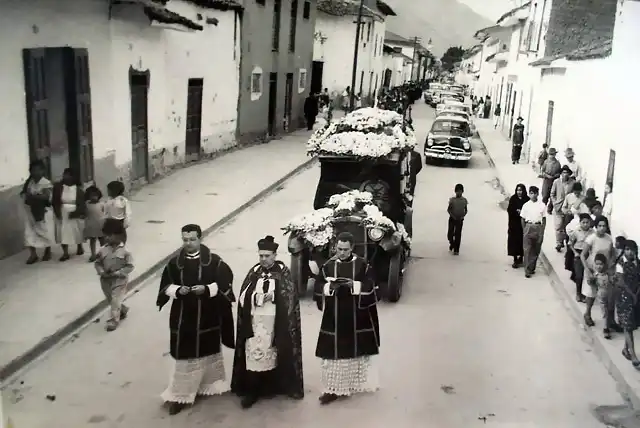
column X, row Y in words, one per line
column 277, row 10
column 292, row 26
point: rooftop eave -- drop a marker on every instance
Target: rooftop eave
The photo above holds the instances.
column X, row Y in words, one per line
column 498, row 58
column 543, row 63
column 487, row 32
column 385, row 8
column 514, row 16
column 221, row 5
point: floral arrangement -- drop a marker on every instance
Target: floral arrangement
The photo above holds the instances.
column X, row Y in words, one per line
column 403, row 232
column 366, row 133
column 316, row 228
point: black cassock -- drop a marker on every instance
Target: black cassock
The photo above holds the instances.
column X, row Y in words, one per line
column 349, row 327
column 287, row 377
column 198, row 324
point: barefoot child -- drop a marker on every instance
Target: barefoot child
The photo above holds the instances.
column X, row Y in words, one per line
column 598, row 290
column 95, row 219
column 114, row 264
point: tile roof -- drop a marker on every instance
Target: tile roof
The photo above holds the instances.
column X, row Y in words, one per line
column 385, row 8
column 345, row 8
column 396, row 38
column 513, row 12
column 593, row 51
column 166, row 16
column 222, row 5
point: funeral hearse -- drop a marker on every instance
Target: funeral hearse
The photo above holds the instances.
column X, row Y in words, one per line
column 448, row 140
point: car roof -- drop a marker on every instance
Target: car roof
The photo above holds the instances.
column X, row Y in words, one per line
column 452, row 112
column 451, row 119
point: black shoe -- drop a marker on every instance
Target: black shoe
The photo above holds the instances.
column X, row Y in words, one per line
column 456, row 253
column 327, row 398
column 606, row 333
column 175, row 408
column 249, row 401
column 580, row 298
column 528, row 275
column 588, row 320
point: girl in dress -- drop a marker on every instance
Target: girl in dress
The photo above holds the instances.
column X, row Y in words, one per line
column 117, row 206
column 39, row 226
column 95, row 220
column 70, row 210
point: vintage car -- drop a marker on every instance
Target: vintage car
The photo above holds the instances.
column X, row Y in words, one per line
column 448, row 139
column 451, row 95
column 363, row 189
column 450, row 104
column 459, row 113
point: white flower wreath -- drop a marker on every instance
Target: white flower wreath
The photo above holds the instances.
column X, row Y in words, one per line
column 367, row 132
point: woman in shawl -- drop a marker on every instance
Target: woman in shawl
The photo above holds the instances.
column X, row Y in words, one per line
column 69, row 207
column 515, row 232
column 39, row 226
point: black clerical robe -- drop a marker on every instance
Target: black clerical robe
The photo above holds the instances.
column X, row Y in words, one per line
column 349, row 327
column 198, row 323
column 287, row 379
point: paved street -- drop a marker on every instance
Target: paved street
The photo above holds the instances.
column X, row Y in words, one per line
column 470, row 339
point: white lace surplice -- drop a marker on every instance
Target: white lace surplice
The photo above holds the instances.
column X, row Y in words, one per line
column 261, row 356
column 349, row 376
column 197, row 376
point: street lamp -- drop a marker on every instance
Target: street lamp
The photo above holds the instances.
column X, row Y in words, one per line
column 352, row 95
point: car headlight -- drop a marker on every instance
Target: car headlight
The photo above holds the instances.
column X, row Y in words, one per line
column 466, row 145
column 430, row 142
column 376, row 234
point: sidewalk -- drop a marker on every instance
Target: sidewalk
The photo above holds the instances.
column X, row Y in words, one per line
column 43, row 303
column 498, row 150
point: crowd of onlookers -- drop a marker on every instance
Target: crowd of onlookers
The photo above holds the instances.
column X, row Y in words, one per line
column 604, row 268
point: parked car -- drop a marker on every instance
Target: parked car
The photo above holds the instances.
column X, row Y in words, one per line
column 448, row 111
column 448, row 139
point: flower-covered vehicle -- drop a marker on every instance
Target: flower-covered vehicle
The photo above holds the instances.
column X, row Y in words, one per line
column 365, row 188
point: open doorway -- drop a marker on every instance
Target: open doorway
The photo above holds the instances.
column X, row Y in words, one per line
column 316, row 77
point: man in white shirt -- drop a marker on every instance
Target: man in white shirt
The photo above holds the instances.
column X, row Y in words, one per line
column 569, row 155
column 533, row 224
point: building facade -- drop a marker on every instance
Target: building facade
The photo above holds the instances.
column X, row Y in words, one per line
column 116, row 90
column 275, row 71
column 334, row 48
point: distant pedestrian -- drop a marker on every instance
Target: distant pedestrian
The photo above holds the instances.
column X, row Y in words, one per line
column 117, row 206
column 39, row 224
column 487, row 107
column 550, row 171
column 628, row 271
column 69, row 207
column 515, row 231
column 310, row 110
column 198, row 282
column 114, row 264
column 517, row 139
column 346, row 98
column 457, row 209
column 542, row 157
column 95, row 219
column 569, row 155
column 496, row 116
column 533, row 225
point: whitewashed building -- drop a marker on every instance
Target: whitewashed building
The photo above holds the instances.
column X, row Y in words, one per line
column 334, row 44
column 396, row 66
column 116, row 89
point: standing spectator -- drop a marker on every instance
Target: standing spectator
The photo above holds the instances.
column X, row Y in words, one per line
column 346, row 98
column 533, row 224
column 550, row 171
column 487, row 107
column 69, row 206
column 310, row 110
column 560, row 189
column 95, row 220
column 517, row 138
column 496, row 116
column 515, row 231
column 480, row 108
column 542, row 157
column 117, row 206
column 457, row 209
column 577, row 239
column 569, row 155
column 628, row 271
column 39, row 224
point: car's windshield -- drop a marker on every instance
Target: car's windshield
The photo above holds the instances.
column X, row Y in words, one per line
column 456, row 114
column 450, row 127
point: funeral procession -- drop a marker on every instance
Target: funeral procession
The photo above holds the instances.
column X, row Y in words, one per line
column 317, row 213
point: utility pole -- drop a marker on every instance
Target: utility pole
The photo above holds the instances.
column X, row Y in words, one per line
column 352, row 95
column 415, row 49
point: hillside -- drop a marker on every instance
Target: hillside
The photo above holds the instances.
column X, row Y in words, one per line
column 445, row 22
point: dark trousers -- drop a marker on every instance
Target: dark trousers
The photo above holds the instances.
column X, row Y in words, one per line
column 454, row 233
column 516, row 152
column 578, row 273
column 311, row 120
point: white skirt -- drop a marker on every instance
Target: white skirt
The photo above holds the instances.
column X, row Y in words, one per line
column 199, row 376
column 349, row 376
column 70, row 231
column 38, row 234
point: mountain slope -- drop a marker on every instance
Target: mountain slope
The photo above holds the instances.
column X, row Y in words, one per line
column 446, row 22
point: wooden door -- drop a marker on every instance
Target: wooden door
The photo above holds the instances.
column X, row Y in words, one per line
column 288, row 98
column 317, row 69
column 139, row 91
column 78, row 103
column 547, row 138
column 194, row 120
column 273, row 103
column 37, row 104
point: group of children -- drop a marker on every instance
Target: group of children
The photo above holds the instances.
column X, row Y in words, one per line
column 106, row 223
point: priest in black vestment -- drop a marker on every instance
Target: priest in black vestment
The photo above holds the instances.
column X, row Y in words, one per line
column 199, row 283
column 349, row 336
column 268, row 355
